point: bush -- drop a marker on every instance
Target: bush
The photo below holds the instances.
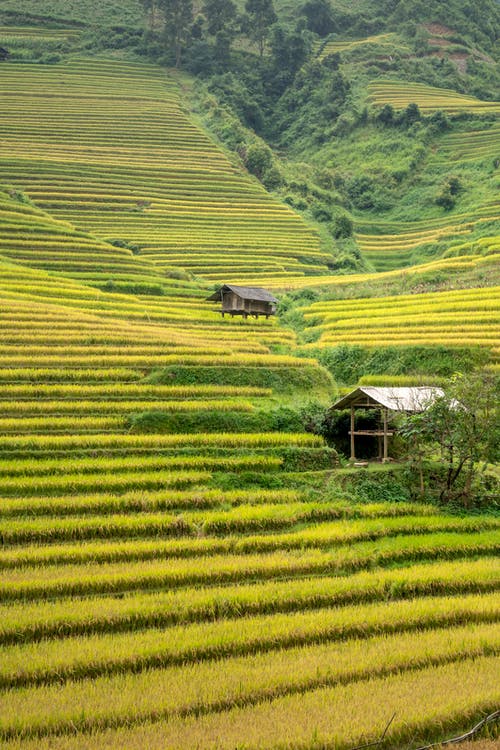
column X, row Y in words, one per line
column 272, row 178
column 321, row 212
column 445, row 199
column 342, row 227
column 361, row 190
column 258, row 159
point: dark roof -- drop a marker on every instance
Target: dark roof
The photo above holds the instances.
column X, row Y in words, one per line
column 411, row 399
column 245, row 292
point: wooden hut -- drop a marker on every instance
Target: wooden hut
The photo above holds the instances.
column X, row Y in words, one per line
column 386, row 400
column 244, row 300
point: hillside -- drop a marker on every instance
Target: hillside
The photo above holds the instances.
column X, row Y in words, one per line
column 185, row 561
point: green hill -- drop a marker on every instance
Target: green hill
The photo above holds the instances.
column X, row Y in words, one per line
column 185, row 562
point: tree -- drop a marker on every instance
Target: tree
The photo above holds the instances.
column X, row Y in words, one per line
column 151, row 7
column 220, row 15
column 461, row 428
column 319, row 16
column 258, row 159
column 260, row 16
column 386, row 115
column 178, row 20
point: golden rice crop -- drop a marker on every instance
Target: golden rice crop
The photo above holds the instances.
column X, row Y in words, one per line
column 214, row 569
column 81, row 443
column 121, row 391
column 335, row 716
column 78, row 657
column 120, row 700
column 428, row 98
column 390, row 518
column 38, row 375
column 106, row 482
column 53, row 467
column 33, row 621
column 54, row 408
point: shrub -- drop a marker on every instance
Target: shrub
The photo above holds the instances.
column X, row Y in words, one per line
column 342, row 227
column 258, row 159
column 272, row 178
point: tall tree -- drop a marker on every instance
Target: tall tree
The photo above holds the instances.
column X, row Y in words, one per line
column 220, row 15
column 260, row 17
column 319, row 16
column 462, row 428
column 178, row 20
column 150, row 6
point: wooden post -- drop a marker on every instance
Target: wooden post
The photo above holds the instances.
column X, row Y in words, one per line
column 385, row 436
column 353, row 453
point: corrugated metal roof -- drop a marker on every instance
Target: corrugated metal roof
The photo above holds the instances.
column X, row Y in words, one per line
column 413, row 399
column 245, row 292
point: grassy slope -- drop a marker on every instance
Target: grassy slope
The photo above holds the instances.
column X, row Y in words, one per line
column 74, row 12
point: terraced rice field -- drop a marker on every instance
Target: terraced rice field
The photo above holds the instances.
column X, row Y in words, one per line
column 468, row 317
column 428, row 98
column 18, row 36
column 471, row 145
column 34, row 238
column 394, row 244
column 107, row 147
column 172, row 574
column 468, row 256
column 346, row 45
column 144, row 602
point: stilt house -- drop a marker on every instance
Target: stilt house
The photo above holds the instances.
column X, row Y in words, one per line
column 387, row 401
column 244, row 300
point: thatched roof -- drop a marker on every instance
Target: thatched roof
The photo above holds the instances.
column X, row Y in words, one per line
column 411, row 399
column 245, row 292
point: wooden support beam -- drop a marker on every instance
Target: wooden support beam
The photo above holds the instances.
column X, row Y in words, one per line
column 385, row 435
column 353, row 452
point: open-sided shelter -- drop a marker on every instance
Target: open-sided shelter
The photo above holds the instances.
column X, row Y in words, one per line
column 244, row 300
column 409, row 400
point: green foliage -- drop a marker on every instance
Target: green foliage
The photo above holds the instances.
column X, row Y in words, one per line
column 463, row 426
column 319, row 15
column 178, row 19
column 369, row 487
column 348, row 363
column 280, row 379
column 448, row 193
column 260, row 16
column 220, row 15
column 258, row 159
column 343, row 227
column 279, row 419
